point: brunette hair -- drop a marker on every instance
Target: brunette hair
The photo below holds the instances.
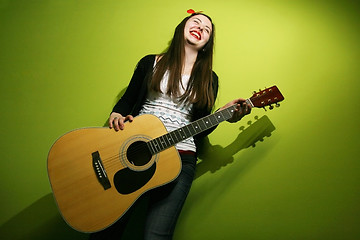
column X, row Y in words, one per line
column 200, row 89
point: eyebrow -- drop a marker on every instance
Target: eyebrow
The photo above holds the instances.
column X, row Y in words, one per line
column 201, row 22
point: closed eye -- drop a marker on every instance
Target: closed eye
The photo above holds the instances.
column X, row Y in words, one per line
column 198, row 21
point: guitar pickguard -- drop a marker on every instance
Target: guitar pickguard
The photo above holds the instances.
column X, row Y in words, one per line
column 127, row 181
column 140, row 167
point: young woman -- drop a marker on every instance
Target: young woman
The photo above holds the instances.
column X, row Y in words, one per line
column 179, row 86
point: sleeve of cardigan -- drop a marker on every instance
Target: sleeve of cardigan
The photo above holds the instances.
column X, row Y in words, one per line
column 126, row 103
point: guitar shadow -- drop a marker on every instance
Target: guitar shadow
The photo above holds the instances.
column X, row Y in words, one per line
column 214, row 157
column 42, row 221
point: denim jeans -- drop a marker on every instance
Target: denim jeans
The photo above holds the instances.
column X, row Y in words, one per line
column 166, row 203
column 164, row 207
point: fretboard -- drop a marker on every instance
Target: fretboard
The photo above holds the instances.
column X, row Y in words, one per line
column 170, row 139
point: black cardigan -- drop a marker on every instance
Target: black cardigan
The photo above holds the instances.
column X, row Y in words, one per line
column 135, row 95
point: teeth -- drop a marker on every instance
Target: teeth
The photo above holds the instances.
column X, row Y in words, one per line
column 196, row 34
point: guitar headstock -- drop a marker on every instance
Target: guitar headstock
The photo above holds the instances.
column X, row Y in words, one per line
column 266, row 97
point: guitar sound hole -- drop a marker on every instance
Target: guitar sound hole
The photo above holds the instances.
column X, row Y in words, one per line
column 138, row 153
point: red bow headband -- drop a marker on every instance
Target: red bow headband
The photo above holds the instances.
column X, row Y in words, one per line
column 191, row 11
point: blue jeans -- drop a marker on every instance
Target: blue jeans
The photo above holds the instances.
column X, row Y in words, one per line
column 166, row 202
column 164, row 207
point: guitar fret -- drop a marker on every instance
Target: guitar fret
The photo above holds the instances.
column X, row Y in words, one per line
column 169, row 139
column 157, row 145
column 196, row 127
column 220, row 117
column 182, row 134
column 178, row 135
column 200, row 124
column 150, row 143
column 174, row 136
column 162, row 142
column 229, row 113
column 192, row 130
column 166, row 141
column 153, row 142
column 213, row 120
column 205, row 122
column 187, row 132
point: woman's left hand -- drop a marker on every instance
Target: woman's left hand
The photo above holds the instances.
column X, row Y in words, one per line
column 242, row 109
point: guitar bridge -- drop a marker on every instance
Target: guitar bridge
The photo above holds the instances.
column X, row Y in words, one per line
column 100, row 171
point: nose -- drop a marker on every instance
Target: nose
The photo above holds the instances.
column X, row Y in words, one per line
column 201, row 28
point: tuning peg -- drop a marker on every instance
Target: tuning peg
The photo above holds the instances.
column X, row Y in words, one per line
column 277, row 105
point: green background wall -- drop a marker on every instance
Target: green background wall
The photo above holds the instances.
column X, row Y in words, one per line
column 289, row 173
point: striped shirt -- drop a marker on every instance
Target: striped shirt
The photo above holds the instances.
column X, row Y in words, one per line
column 168, row 109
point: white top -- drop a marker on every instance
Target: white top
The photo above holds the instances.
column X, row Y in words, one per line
column 172, row 113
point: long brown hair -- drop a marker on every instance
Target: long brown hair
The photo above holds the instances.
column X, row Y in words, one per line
column 199, row 90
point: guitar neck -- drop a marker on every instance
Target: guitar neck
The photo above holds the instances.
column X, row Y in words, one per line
column 170, row 139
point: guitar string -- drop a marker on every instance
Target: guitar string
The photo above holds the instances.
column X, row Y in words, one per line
column 114, row 160
column 120, row 158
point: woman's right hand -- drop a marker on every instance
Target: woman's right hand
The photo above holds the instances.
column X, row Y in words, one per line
column 116, row 121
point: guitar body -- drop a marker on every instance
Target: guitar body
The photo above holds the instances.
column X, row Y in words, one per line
column 96, row 174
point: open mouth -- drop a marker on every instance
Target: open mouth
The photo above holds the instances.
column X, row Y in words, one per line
column 196, row 35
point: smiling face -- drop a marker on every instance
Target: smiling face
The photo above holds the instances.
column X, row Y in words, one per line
column 197, row 31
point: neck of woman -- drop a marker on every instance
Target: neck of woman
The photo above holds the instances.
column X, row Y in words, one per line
column 189, row 60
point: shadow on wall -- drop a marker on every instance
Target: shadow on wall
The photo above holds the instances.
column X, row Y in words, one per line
column 42, row 220
column 217, row 156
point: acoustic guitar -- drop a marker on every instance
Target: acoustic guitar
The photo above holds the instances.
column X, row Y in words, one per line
column 97, row 174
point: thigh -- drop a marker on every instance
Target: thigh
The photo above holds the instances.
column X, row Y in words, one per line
column 167, row 201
